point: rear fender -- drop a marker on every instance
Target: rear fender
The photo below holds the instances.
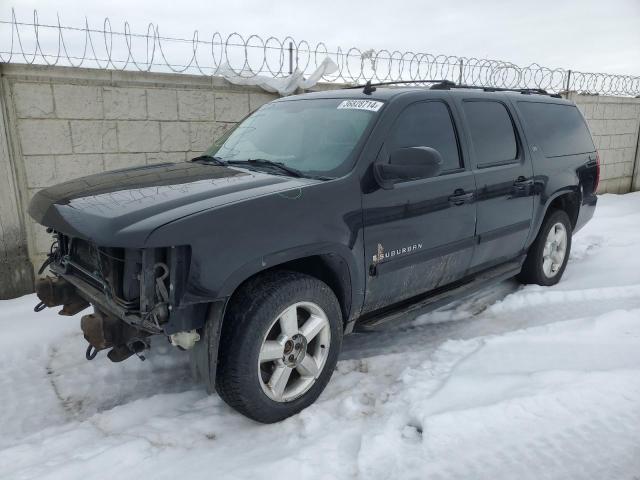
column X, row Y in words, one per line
column 541, row 212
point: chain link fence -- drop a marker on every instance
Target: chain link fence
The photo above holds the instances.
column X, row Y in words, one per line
column 33, row 42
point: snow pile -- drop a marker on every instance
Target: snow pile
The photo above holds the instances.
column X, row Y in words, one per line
column 515, row 382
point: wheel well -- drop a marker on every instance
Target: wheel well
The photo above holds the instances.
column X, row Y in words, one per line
column 329, row 268
column 570, row 203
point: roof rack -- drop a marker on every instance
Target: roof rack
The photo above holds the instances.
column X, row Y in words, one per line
column 524, row 91
column 369, row 87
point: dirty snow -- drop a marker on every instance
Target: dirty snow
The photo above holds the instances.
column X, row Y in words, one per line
column 514, row 382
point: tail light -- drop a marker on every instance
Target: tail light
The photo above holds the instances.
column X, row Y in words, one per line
column 597, row 182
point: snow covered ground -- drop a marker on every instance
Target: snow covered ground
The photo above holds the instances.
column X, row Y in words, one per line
column 515, row 382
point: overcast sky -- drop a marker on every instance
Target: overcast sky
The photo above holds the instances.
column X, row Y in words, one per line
column 587, row 35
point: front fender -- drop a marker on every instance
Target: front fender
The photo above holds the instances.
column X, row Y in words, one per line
column 341, row 253
column 231, row 243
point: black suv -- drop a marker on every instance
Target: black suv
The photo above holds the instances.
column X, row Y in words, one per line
column 316, row 214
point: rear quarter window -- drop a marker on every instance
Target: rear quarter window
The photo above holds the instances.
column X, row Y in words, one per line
column 558, row 129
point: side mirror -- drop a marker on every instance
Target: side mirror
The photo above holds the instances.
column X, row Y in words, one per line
column 410, row 163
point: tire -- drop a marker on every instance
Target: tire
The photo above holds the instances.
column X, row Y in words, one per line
column 534, row 269
column 260, row 312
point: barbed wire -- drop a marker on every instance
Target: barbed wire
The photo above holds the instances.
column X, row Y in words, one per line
column 50, row 44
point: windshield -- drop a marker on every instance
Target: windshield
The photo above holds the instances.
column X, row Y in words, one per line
column 316, row 137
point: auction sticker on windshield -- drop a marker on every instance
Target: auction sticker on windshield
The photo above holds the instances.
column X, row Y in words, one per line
column 370, row 105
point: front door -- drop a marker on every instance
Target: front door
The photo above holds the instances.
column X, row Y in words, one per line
column 504, row 179
column 420, row 234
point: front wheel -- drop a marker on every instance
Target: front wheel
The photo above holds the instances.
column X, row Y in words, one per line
column 280, row 343
column 548, row 255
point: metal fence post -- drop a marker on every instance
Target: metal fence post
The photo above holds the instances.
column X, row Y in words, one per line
column 290, row 58
column 460, row 75
column 635, row 172
column 568, row 83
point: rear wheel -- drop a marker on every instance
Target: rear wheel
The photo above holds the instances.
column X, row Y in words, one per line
column 548, row 255
column 280, row 343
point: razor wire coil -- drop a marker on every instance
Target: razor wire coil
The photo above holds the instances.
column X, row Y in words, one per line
column 50, row 44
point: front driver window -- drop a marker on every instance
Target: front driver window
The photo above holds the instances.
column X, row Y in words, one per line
column 427, row 124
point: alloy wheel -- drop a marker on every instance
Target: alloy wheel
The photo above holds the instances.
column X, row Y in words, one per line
column 555, row 249
column 294, row 351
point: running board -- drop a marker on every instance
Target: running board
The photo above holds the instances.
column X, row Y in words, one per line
column 435, row 299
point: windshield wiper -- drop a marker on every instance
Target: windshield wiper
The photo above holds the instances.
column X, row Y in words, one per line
column 210, row 159
column 262, row 162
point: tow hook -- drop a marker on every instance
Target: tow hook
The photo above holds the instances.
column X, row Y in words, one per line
column 103, row 332
column 117, row 353
column 53, row 292
column 91, row 352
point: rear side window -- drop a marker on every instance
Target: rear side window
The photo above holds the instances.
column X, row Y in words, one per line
column 558, row 129
column 491, row 130
column 427, row 124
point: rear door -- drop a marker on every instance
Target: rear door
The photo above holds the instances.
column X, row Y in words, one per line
column 504, row 179
column 561, row 147
column 420, row 234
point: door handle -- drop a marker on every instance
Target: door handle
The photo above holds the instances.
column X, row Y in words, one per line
column 522, row 182
column 460, row 197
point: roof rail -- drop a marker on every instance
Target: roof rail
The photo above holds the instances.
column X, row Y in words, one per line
column 525, row 91
column 369, row 87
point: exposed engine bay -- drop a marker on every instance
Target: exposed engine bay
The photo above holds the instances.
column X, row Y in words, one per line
column 134, row 292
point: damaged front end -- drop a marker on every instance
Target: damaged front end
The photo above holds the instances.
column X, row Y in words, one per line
column 135, row 293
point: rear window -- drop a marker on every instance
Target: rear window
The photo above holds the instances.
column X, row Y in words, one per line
column 492, row 134
column 558, row 129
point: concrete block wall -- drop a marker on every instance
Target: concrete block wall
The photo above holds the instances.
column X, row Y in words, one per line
column 16, row 273
column 615, row 125
column 635, row 181
column 63, row 123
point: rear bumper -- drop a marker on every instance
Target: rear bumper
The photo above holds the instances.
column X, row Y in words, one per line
column 587, row 210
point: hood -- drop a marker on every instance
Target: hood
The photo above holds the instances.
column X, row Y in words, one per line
column 122, row 207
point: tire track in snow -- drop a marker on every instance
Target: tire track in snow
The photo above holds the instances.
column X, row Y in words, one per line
column 71, row 408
